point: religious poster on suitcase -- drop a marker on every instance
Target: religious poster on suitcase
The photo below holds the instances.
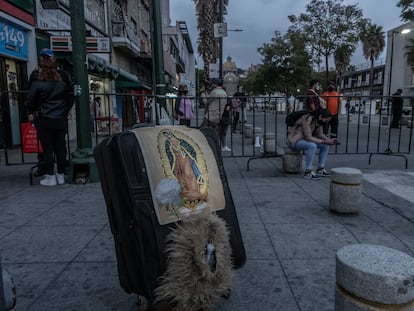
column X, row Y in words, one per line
column 182, row 171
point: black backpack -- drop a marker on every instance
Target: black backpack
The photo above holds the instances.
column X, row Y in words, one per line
column 292, row 117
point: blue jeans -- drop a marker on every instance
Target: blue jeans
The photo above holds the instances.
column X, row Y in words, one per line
column 310, row 148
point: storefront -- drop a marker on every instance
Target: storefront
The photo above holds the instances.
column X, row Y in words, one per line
column 132, row 103
column 14, row 54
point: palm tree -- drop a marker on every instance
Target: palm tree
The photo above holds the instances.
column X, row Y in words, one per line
column 342, row 57
column 208, row 12
column 373, row 43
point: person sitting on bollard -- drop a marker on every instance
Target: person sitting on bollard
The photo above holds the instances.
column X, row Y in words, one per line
column 307, row 134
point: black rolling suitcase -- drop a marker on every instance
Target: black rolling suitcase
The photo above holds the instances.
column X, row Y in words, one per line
column 139, row 237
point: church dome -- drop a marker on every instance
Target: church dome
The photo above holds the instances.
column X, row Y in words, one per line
column 229, row 65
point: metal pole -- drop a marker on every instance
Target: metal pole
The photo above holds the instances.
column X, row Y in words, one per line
column 159, row 87
column 2, row 299
column 83, row 155
column 390, row 73
column 78, row 32
column 221, row 19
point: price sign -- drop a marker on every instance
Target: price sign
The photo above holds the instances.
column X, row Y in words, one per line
column 13, row 41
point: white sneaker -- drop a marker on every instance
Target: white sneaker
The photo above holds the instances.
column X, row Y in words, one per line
column 311, row 175
column 225, row 148
column 48, row 180
column 60, row 178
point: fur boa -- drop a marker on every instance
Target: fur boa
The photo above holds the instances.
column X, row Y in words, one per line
column 189, row 283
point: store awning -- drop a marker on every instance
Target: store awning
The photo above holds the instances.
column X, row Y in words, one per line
column 100, row 65
column 129, row 80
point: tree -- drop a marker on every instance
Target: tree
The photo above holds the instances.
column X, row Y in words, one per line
column 208, row 13
column 327, row 25
column 373, row 43
column 342, row 58
column 407, row 10
column 286, row 63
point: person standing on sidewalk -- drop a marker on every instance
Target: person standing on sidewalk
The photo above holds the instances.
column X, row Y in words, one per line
column 238, row 104
column 183, row 106
column 312, row 102
column 216, row 104
column 45, row 54
column 397, row 107
column 307, row 134
column 48, row 107
column 333, row 104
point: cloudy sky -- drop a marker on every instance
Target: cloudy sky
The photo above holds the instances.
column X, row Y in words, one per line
column 259, row 19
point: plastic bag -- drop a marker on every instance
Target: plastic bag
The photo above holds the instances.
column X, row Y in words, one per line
column 30, row 142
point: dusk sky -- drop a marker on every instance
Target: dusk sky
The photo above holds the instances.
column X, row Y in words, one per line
column 259, row 20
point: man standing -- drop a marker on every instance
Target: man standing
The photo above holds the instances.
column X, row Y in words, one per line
column 239, row 102
column 216, row 103
column 312, row 102
column 333, row 102
column 397, row 107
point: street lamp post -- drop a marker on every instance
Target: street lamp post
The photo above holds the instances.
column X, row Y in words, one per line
column 221, row 51
column 83, row 156
column 221, row 19
column 394, row 32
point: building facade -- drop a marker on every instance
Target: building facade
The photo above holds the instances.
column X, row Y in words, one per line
column 119, row 55
column 17, row 57
column 398, row 73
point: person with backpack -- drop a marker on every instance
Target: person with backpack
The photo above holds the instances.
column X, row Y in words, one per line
column 307, row 134
column 217, row 106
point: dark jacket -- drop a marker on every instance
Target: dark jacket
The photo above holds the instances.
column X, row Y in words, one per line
column 49, row 99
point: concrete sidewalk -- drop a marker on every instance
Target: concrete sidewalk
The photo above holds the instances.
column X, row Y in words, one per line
column 58, row 245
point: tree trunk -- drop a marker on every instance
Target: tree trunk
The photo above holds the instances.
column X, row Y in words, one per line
column 371, row 77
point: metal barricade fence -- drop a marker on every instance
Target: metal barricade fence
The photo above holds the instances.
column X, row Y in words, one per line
column 364, row 128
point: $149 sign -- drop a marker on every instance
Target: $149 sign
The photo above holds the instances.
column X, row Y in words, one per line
column 12, row 40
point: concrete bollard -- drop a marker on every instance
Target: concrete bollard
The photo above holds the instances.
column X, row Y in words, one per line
column 269, row 142
column 257, row 131
column 248, row 130
column 292, row 161
column 373, row 278
column 404, row 120
column 345, row 190
column 364, row 119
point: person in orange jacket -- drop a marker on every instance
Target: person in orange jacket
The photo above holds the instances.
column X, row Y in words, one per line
column 333, row 104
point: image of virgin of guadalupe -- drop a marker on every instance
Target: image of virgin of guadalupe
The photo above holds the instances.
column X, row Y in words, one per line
column 186, row 165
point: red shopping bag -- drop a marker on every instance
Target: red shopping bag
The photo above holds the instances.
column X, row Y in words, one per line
column 30, row 143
